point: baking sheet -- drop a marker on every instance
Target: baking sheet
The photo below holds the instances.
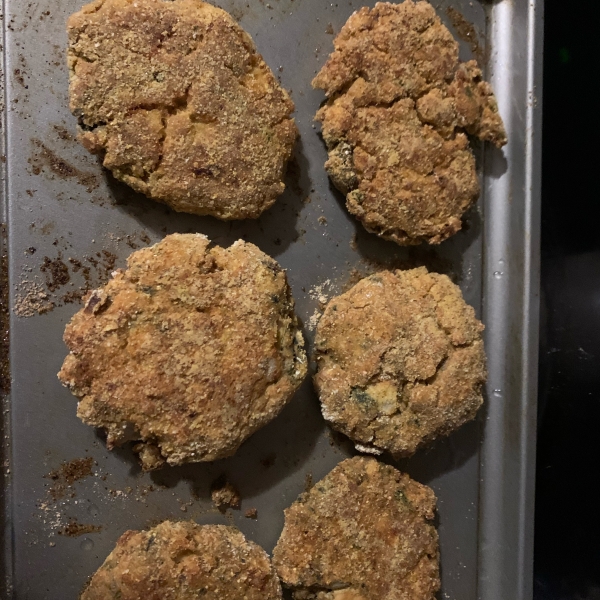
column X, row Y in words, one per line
column 69, row 224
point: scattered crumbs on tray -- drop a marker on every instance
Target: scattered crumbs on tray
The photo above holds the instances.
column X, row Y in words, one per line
column 314, row 319
column 56, row 271
column 63, row 133
column 31, row 299
column 319, row 293
column 251, row 513
column 62, row 280
column 43, row 159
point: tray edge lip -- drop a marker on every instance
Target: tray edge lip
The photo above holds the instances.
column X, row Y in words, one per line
column 508, row 549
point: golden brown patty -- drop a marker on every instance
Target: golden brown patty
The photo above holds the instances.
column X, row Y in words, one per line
column 399, row 106
column 364, row 532
column 185, row 561
column 400, row 361
column 175, row 97
column 189, row 349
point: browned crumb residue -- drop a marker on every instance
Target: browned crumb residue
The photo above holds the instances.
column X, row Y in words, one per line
column 67, row 474
column 224, row 495
column 56, row 271
column 36, row 297
column 75, row 529
column 466, row 32
column 63, row 133
column 43, row 159
column 251, row 513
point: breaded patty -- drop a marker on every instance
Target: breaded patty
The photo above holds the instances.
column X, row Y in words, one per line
column 190, row 349
column 400, row 361
column 176, row 99
column 364, row 532
column 185, row 561
column 399, row 107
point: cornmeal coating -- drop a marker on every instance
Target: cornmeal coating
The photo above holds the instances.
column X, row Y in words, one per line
column 400, row 361
column 176, row 99
column 185, row 561
column 364, row 532
column 190, row 350
column 399, row 107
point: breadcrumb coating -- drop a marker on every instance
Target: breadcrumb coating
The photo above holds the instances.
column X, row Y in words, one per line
column 400, row 361
column 176, row 99
column 184, row 561
column 189, row 350
column 364, row 532
column 399, row 108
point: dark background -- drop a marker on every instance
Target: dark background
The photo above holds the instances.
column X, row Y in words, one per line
column 567, row 528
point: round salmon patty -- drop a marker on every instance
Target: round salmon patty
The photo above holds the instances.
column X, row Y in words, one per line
column 399, row 108
column 364, row 532
column 400, row 361
column 189, row 350
column 175, row 98
column 185, row 561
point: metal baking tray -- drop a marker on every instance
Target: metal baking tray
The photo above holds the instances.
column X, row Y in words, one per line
column 69, row 224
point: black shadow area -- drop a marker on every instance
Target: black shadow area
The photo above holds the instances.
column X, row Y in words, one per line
column 567, row 522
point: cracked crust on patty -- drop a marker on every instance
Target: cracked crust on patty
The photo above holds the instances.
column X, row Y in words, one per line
column 190, row 350
column 364, row 532
column 400, row 361
column 399, row 107
column 176, row 99
column 184, row 561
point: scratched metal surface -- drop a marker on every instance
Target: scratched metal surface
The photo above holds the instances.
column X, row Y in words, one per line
column 60, row 205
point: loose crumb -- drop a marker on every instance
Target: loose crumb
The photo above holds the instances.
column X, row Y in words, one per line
column 224, row 495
